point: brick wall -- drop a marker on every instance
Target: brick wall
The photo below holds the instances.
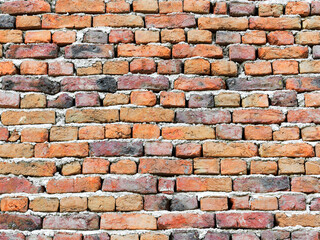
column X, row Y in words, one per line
column 158, row 120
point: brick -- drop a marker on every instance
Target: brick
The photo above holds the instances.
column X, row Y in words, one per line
column 17, row 204
column 60, row 69
column 197, row 66
column 312, row 168
column 196, row 184
column 50, row 150
column 257, row 83
column 200, row 100
column 125, row 237
column 305, row 220
column 242, row 9
column 95, row 36
column 144, row 37
column 37, row 168
column 310, row 133
column 74, row 185
column 44, row 204
column 4, row 134
column 173, row 35
column 72, row 222
column 40, row 51
column 272, row 234
column 105, row 84
column 264, row 203
column 118, row 7
column 38, row 37
column 292, row 202
column 188, row 133
column 202, row 6
column 258, row 68
column 154, row 236
column 144, row 66
column 118, row 36
column 86, row 6
column 258, row 133
column 164, row 166
column 268, row 53
column 261, row 185
column 71, row 168
column 306, row 234
column 7, row 21
column 242, row 236
column 183, row 202
column 229, row 132
column 33, row 101
column 64, row 38
column 145, row 131
column 309, row 67
column 314, row 205
column 87, row 99
column 156, row 203
column 311, row 100
column 303, row 115
column 68, row 236
column 270, row 10
column 92, row 115
column 297, row 8
column 170, row 21
column 124, row 167
column 199, row 50
column 302, row 84
column 172, row 99
column 199, row 84
column 133, row 202
column 91, row 132
column 117, row 131
column 27, row 22
column 7, row 68
column 145, row 6
column 240, row 203
column 146, row 82
column 158, row 148
column 230, row 24
column 146, row 115
column 203, row 116
column 206, row 166
column 20, row 222
column 286, row 133
column 22, row 7
column 23, row 118
column 214, row 204
column 8, row 236
column 220, row 8
column 227, row 100
column 33, row 68
column 255, row 220
column 54, row 21
column 188, row 150
column 166, row 185
column 199, row 36
column 95, row 165
column 129, row 221
column 305, row 184
column 115, row 68
column 185, row 220
column 280, row 38
column 284, row 99
column 170, row 6
column 255, row 116
column 116, row 148
column 307, row 38
column 73, row 204
column 130, row 50
column 285, row 67
column 109, row 20
column 233, row 167
column 18, row 185
column 169, row 67
column 9, row 100
column 287, row 150
column 101, row 203
column 89, row 51
column 224, row 68
column 271, row 23
column 212, row 149
column 62, row 101
column 7, row 36
column 242, row 53
column 254, row 37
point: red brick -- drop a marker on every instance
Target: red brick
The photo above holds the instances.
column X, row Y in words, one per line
column 74, row 185
column 80, row 6
column 72, row 222
column 23, row 7
column 280, row 38
column 55, row 21
column 242, row 53
column 64, row 37
column 129, row 221
column 123, row 167
column 186, row 220
column 45, row 50
column 95, row 165
column 139, row 184
column 199, row 50
column 170, row 21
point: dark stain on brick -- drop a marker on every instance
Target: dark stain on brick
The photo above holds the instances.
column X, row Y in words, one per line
column 107, row 84
column 47, row 86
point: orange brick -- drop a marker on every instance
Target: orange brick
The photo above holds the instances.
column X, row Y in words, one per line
column 91, row 132
column 16, row 204
column 33, row 68
column 214, row 204
column 7, row 68
column 264, row 203
column 117, row 131
column 258, row 133
column 170, row 6
column 197, row 66
column 34, row 135
column 172, row 99
column 264, row 167
column 258, row 68
column 285, row 67
column 95, row 165
column 28, row 22
column 64, row 38
column 38, row 37
column 286, row 133
column 147, row 131
column 143, row 98
column 123, row 167
column 233, row 167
